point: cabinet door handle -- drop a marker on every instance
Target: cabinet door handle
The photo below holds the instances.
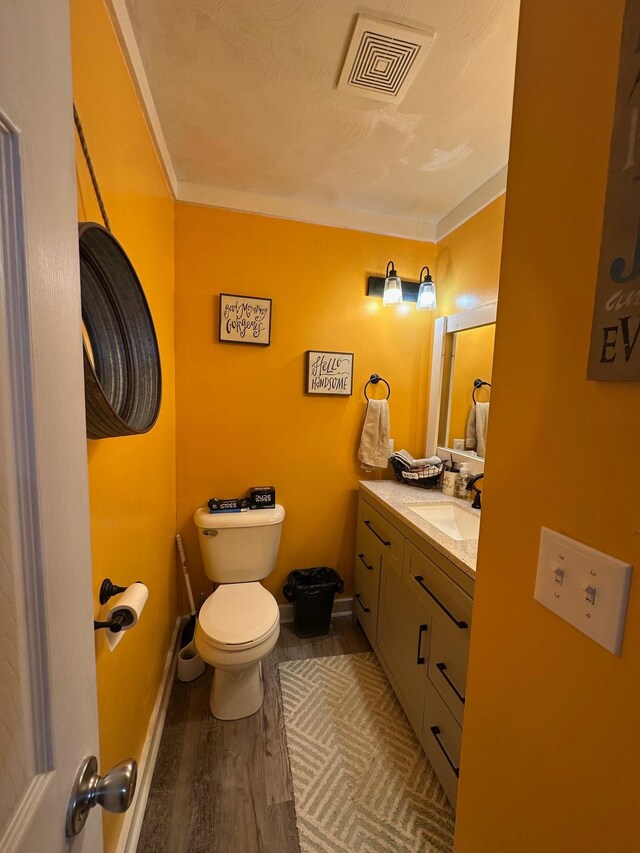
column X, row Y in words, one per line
column 435, row 731
column 420, row 659
column 364, row 563
column 366, row 609
column 375, row 533
column 457, row 622
column 443, row 669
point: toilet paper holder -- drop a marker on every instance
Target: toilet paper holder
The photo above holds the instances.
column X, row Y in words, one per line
column 107, row 590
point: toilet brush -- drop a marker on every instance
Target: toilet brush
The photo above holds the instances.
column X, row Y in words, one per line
column 189, row 629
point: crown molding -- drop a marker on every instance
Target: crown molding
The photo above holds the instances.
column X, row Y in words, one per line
column 306, row 211
column 472, row 204
column 119, row 15
column 281, row 207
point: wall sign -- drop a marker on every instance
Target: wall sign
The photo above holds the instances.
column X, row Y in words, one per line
column 245, row 319
column 615, row 332
column 329, row 373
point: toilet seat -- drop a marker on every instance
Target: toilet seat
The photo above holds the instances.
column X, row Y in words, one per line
column 239, row 616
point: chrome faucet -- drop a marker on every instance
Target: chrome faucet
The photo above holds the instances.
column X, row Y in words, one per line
column 477, row 501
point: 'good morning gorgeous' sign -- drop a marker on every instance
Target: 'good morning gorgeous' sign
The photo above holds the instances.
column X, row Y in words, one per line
column 245, row 319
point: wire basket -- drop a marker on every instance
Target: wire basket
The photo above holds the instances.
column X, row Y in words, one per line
column 424, row 478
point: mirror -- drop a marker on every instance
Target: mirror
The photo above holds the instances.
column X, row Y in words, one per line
column 471, row 362
column 461, row 374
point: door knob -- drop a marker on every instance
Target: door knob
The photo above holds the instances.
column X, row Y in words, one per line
column 114, row 791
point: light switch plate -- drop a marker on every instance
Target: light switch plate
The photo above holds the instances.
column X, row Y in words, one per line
column 566, row 592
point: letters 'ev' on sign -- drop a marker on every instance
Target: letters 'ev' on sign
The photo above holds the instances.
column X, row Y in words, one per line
column 245, row 319
column 615, row 332
column 329, row 373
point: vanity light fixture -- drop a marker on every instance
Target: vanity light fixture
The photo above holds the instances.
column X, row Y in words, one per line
column 392, row 286
column 427, row 292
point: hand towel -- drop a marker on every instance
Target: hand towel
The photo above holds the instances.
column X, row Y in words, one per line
column 477, row 425
column 482, row 425
column 374, row 442
column 470, row 440
column 407, row 460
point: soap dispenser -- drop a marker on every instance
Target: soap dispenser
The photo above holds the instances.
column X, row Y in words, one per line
column 461, row 483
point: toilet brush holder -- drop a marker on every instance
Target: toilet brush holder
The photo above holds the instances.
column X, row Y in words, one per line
column 190, row 664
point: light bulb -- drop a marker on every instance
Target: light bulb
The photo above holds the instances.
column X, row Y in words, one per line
column 426, row 297
column 392, row 287
column 427, row 292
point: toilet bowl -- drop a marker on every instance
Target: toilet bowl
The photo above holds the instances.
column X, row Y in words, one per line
column 238, row 625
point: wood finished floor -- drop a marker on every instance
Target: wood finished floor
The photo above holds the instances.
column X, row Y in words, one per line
column 226, row 787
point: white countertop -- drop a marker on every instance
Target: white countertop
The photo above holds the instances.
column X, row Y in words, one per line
column 395, row 496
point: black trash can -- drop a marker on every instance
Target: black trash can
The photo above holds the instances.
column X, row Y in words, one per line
column 312, row 591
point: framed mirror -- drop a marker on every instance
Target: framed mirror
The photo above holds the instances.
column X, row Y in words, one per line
column 461, row 366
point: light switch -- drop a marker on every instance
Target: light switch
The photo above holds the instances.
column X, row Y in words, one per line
column 590, row 595
column 595, row 587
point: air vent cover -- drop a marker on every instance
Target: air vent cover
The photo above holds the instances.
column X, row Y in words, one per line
column 383, row 58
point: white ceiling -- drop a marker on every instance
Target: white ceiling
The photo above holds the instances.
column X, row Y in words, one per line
column 246, row 99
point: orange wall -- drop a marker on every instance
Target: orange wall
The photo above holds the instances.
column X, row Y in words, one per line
column 551, row 744
column 132, row 479
column 242, row 416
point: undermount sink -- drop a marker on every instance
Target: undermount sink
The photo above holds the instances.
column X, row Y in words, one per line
column 450, row 519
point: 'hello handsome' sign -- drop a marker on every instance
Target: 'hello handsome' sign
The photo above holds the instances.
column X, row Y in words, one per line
column 329, row 373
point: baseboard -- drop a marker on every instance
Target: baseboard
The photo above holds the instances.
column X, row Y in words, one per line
column 341, row 607
column 132, row 825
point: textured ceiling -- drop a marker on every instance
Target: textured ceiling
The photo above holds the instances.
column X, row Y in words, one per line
column 246, row 95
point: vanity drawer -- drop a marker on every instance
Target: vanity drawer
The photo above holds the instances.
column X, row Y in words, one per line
column 437, row 590
column 367, row 553
column 365, row 598
column 441, row 739
column 448, row 659
column 382, row 535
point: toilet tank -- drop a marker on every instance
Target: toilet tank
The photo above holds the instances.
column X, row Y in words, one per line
column 239, row 546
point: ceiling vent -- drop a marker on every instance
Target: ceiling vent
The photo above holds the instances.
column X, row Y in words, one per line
column 383, row 59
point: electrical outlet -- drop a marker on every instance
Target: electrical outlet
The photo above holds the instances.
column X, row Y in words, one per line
column 458, row 443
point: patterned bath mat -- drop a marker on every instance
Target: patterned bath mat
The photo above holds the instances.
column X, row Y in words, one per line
column 361, row 781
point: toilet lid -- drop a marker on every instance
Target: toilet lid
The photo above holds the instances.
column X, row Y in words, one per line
column 239, row 613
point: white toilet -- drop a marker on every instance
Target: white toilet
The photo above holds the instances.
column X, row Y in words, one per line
column 239, row 623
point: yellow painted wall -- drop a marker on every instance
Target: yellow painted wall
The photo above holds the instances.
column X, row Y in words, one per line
column 131, row 479
column 473, row 360
column 243, row 418
column 467, row 275
column 468, row 261
column 551, row 745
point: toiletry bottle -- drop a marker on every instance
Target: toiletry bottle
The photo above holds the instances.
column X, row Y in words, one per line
column 461, row 484
column 449, row 480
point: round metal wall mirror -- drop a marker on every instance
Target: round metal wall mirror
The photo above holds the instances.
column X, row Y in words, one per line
column 122, row 373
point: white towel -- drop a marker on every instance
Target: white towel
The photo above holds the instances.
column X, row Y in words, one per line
column 374, row 442
column 477, row 427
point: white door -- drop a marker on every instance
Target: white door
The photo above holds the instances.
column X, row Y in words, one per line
column 48, row 716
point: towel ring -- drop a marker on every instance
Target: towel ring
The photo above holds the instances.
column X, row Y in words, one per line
column 478, row 383
column 374, row 379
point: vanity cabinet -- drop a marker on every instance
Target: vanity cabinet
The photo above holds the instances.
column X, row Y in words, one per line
column 402, row 636
column 416, row 608
column 451, row 608
column 376, row 540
